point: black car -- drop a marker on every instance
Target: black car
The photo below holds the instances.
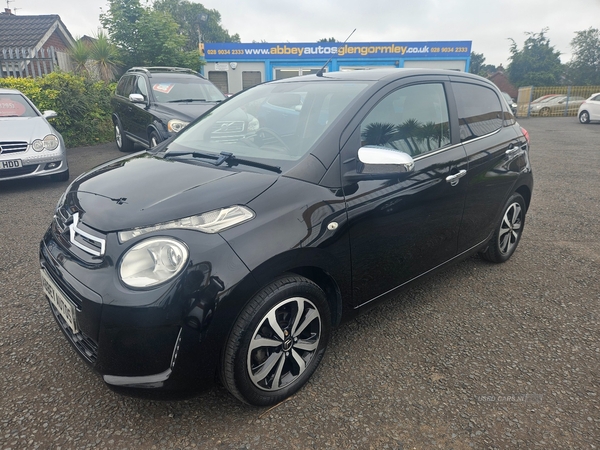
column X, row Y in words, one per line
column 207, row 259
column 151, row 104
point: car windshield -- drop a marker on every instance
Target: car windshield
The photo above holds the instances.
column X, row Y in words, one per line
column 15, row 105
column 272, row 123
column 168, row 90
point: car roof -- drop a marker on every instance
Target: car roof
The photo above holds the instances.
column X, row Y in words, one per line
column 10, row 91
column 385, row 74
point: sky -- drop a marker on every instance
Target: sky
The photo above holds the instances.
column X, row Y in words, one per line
column 488, row 24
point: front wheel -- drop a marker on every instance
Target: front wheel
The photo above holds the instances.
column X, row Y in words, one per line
column 154, row 139
column 584, row 117
column 545, row 112
column 277, row 341
column 508, row 232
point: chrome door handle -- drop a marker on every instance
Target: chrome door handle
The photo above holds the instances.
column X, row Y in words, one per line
column 453, row 179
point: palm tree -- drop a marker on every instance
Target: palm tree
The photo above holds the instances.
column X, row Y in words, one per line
column 105, row 57
column 80, row 54
column 377, row 133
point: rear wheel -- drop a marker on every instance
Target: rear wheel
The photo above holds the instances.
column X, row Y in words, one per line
column 508, row 232
column 584, row 117
column 123, row 143
column 277, row 341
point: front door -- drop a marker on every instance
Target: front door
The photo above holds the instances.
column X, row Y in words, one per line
column 400, row 229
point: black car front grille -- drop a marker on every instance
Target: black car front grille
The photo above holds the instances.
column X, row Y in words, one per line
column 12, row 147
column 85, row 345
column 76, row 236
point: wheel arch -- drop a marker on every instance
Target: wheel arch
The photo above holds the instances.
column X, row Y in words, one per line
column 525, row 193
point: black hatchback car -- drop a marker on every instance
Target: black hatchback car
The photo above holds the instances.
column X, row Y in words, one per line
column 233, row 259
column 151, row 104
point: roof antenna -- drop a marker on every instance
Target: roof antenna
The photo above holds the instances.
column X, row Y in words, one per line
column 322, row 70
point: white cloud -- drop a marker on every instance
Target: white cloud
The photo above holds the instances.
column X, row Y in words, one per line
column 487, row 24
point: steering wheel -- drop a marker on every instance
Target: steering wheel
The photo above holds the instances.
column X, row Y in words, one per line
column 261, row 134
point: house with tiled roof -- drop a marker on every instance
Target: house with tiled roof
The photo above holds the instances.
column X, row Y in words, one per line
column 24, row 38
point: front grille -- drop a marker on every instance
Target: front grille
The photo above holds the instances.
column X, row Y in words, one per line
column 12, row 147
column 84, row 344
column 71, row 230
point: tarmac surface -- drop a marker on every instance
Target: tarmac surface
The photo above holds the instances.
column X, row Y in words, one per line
column 478, row 356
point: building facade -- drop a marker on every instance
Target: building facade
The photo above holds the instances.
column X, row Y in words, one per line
column 234, row 67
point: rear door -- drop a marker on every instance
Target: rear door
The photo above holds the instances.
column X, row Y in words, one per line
column 402, row 229
column 495, row 152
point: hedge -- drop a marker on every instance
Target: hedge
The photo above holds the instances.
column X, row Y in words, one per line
column 82, row 106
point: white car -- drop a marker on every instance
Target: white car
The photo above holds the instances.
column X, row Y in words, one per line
column 29, row 145
column 590, row 109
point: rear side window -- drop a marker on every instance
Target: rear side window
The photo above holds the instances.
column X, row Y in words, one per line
column 479, row 110
column 125, row 86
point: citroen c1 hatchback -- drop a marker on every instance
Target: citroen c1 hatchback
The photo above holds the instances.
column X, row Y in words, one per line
column 207, row 259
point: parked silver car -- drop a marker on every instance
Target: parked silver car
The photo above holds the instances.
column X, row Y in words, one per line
column 29, row 145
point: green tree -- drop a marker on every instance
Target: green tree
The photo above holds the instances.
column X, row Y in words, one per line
column 145, row 36
column 584, row 67
column 331, row 39
column 187, row 15
column 104, row 57
column 478, row 67
column 537, row 63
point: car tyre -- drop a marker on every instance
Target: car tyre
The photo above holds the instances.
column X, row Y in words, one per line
column 154, row 139
column 584, row 117
column 60, row 177
column 508, row 232
column 277, row 341
column 123, row 143
column 545, row 112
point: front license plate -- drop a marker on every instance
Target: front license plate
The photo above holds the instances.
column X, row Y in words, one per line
column 60, row 302
column 11, row 164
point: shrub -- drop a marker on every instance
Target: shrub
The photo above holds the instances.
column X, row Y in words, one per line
column 82, row 105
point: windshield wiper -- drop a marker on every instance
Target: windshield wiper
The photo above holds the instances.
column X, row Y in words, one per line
column 226, row 157
column 184, row 100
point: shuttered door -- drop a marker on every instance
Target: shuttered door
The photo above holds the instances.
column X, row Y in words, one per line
column 219, row 79
column 250, row 78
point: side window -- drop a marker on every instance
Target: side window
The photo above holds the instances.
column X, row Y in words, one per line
column 125, row 86
column 479, row 110
column 413, row 119
column 596, row 98
column 140, row 87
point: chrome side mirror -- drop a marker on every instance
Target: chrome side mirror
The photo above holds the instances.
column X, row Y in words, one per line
column 136, row 98
column 380, row 163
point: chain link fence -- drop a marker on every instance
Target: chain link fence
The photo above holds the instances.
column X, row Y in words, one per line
column 552, row 101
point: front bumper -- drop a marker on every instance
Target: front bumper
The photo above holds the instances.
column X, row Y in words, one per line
column 34, row 164
column 169, row 337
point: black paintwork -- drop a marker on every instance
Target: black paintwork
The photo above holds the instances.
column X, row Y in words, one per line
column 389, row 232
column 139, row 120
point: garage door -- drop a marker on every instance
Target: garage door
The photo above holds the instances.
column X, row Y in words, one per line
column 219, row 79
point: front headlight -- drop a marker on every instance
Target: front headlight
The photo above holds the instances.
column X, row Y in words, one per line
column 50, row 142
column 152, row 262
column 176, row 125
column 209, row 222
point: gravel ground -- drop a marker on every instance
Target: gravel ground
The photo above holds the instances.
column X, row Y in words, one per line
column 479, row 356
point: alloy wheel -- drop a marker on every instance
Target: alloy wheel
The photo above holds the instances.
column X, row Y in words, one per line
column 510, row 228
column 283, row 344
